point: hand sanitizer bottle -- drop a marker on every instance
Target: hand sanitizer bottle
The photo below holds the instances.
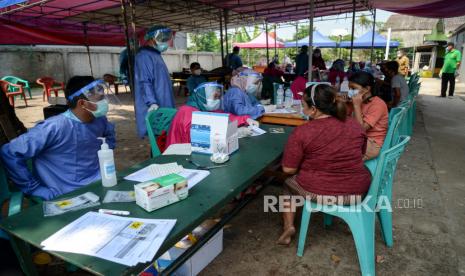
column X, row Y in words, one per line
column 107, row 164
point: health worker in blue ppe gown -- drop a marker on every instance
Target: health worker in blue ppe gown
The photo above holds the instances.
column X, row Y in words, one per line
column 152, row 79
column 241, row 99
column 63, row 148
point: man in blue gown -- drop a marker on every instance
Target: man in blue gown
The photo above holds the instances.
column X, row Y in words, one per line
column 63, row 148
column 152, row 79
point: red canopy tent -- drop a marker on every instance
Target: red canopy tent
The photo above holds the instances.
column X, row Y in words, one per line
column 260, row 42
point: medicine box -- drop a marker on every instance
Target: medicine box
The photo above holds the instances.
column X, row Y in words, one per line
column 193, row 266
column 160, row 192
column 208, row 128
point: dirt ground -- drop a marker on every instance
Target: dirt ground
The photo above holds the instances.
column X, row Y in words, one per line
column 428, row 204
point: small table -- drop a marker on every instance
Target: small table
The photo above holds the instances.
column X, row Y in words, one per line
column 287, row 119
column 205, row 199
column 283, row 119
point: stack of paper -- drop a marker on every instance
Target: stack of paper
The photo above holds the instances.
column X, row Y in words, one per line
column 283, row 111
column 178, row 149
column 123, row 240
column 193, row 176
column 159, row 170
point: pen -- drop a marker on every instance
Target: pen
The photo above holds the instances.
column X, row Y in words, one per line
column 114, row 212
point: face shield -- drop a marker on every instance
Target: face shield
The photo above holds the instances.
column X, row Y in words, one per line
column 162, row 37
column 98, row 96
column 252, row 81
column 210, row 94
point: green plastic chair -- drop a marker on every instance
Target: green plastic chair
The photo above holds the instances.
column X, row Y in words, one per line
column 396, row 115
column 156, row 122
column 16, row 80
column 361, row 221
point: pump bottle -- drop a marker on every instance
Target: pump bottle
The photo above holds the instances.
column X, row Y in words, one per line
column 107, row 164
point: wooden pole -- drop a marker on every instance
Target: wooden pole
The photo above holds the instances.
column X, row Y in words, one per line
column 222, row 41
column 310, row 41
column 353, row 30
column 373, row 37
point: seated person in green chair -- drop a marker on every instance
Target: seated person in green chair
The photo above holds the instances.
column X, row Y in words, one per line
column 196, row 79
column 324, row 156
column 63, row 147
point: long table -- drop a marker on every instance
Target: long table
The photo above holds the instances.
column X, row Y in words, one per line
column 255, row 154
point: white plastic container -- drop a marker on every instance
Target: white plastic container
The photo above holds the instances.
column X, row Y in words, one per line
column 280, row 96
column 345, row 85
column 107, row 164
column 288, row 98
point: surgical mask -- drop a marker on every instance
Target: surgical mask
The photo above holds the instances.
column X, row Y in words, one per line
column 317, row 55
column 352, row 93
column 212, row 105
column 161, row 47
column 197, row 72
column 102, row 109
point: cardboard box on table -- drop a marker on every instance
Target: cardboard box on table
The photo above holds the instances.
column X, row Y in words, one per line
column 193, row 266
column 208, row 126
column 160, row 192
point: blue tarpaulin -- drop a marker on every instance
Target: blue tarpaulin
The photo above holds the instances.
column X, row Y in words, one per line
column 319, row 40
column 364, row 41
column 7, row 3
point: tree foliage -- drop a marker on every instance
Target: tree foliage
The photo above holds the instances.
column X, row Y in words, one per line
column 205, row 42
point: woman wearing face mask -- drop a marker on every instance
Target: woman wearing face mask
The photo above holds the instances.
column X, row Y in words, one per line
column 370, row 111
column 324, row 156
column 206, row 97
column 196, row 79
column 317, row 60
column 241, row 99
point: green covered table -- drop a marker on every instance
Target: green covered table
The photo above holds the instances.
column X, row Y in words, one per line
column 205, row 199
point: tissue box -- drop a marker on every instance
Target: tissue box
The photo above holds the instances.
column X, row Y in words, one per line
column 162, row 191
column 193, row 266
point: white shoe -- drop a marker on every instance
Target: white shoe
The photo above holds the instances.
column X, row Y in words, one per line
column 451, row 97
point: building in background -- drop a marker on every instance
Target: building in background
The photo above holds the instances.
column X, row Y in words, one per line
column 458, row 37
column 424, row 39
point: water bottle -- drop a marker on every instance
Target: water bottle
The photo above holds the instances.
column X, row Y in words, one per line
column 288, row 98
column 107, row 164
column 345, row 85
column 280, row 96
column 338, row 82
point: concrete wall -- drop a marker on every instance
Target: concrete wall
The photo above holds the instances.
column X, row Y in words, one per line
column 61, row 63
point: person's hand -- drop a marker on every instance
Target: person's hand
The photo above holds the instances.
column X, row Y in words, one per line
column 440, row 74
column 152, row 107
column 252, row 122
column 269, row 108
column 342, row 97
column 357, row 100
column 244, row 132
